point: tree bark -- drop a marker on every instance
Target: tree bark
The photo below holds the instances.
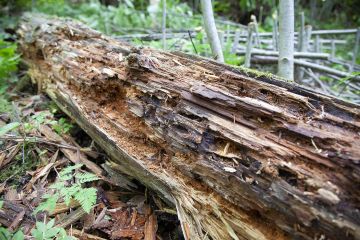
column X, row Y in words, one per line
column 241, row 155
column 286, row 39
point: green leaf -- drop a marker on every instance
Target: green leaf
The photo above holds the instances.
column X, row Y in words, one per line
column 4, row 234
column 52, row 232
column 1, row 204
column 8, row 127
column 50, row 224
column 19, row 235
column 41, row 227
column 38, row 235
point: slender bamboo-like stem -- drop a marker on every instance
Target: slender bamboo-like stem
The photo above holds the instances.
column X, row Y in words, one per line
column 211, row 32
column 307, row 39
column 261, row 14
column 356, row 50
column 222, row 38
column 249, row 44
column 163, row 26
column 256, row 31
column 286, row 39
column 301, row 36
column 236, row 41
column 305, row 42
column 333, row 49
column 275, row 34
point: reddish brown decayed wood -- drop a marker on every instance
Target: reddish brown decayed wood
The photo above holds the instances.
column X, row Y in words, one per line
column 239, row 154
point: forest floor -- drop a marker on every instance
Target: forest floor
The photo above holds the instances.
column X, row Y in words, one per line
column 50, row 166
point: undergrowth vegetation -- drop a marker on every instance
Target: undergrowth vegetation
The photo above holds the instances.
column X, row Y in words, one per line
column 86, row 197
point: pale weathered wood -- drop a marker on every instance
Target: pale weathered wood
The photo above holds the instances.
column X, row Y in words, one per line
column 242, row 155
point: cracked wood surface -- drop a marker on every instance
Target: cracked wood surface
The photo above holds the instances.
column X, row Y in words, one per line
column 241, row 155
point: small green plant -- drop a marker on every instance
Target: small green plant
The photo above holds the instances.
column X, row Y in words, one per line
column 348, row 78
column 8, row 60
column 62, row 126
column 85, row 196
column 47, row 231
column 43, row 117
column 8, row 66
column 5, row 234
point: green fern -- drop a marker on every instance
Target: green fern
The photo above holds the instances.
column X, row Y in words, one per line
column 49, row 205
column 86, row 177
column 69, row 170
column 85, row 196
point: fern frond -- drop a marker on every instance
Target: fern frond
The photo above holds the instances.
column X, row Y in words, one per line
column 58, row 185
column 49, row 205
column 70, row 169
column 66, row 177
column 87, row 198
column 69, row 192
column 86, row 177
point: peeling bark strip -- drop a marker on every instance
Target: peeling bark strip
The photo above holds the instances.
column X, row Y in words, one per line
column 241, row 156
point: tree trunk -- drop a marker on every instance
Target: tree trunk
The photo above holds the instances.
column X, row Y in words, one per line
column 286, row 39
column 241, row 155
column 210, row 28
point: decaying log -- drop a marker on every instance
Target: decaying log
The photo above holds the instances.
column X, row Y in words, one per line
column 242, row 155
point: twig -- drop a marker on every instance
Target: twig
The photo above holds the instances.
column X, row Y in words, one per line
column 192, row 42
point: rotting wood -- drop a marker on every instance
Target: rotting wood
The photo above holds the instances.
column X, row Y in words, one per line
column 242, row 155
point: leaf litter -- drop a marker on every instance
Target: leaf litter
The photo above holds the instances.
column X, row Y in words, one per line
column 35, row 150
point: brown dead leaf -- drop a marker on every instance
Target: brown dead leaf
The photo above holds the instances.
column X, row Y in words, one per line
column 10, row 156
column 19, row 217
column 12, row 195
column 2, row 186
column 40, row 172
column 83, row 236
column 73, row 155
column 134, row 234
column 2, row 158
column 89, row 219
column 113, row 199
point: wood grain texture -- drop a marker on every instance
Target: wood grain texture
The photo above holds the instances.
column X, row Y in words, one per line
column 241, row 155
